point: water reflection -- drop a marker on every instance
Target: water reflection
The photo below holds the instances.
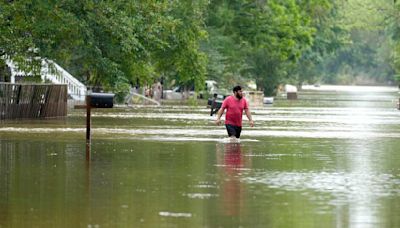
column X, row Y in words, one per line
column 364, row 211
column 232, row 190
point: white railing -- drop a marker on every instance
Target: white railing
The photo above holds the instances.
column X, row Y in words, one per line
column 56, row 74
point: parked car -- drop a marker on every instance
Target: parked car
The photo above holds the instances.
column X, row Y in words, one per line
column 176, row 93
column 211, row 88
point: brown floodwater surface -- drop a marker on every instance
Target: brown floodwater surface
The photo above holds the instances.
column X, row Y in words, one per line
column 329, row 159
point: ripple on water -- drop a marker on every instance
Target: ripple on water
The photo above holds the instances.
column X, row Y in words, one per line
column 200, row 195
column 175, row 214
column 344, row 186
column 185, row 134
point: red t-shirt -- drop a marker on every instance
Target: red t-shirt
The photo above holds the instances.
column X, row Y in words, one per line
column 234, row 110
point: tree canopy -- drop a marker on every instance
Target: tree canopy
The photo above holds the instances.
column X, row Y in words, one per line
column 107, row 43
column 115, row 44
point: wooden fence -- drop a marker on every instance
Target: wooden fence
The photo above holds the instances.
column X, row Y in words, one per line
column 32, row 100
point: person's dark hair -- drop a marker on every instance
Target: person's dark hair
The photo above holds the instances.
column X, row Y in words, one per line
column 236, row 88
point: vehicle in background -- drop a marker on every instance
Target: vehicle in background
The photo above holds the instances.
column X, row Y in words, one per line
column 211, row 88
column 268, row 100
column 177, row 93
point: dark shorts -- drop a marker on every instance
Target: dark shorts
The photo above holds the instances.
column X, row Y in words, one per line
column 233, row 130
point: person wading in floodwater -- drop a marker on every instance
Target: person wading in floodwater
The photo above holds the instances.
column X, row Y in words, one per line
column 234, row 104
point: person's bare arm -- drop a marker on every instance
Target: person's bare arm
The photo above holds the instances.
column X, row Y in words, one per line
column 219, row 114
column 248, row 114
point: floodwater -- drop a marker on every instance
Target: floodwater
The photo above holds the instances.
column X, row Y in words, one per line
column 329, row 159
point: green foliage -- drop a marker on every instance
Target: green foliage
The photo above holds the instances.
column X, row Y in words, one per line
column 115, row 44
column 107, row 43
column 182, row 59
column 394, row 29
column 366, row 55
column 329, row 36
column 256, row 40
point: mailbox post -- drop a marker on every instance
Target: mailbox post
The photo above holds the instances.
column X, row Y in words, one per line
column 88, row 125
column 95, row 100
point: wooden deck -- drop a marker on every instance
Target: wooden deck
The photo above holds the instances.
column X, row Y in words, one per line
column 32, row 101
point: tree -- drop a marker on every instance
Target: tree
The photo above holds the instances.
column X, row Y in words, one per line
column 268, row 31
column 106, row 43
column 394, row 29
column 329, row 37
column 365, row 56
column 265, row 35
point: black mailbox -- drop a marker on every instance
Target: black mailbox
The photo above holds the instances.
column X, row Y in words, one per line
column 101, row 100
